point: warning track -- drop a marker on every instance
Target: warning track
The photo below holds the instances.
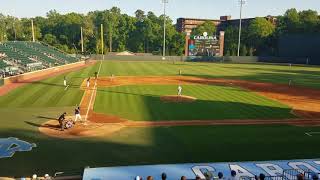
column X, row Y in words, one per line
column 305, row 102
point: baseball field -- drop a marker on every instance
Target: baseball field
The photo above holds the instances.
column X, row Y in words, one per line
column 228, row 112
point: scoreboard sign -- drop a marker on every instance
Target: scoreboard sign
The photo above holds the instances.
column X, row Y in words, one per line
column 204, row 45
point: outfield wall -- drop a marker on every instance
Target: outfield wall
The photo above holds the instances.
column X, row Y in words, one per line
column 37, row 75
column 227, row 59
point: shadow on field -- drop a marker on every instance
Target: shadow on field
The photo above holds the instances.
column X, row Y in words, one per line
column 157, row 146
column 32, row 124
column 56, row 85
column 56, row 127
column 45, row 117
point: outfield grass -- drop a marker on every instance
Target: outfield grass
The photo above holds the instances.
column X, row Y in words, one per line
column 302, row 76
column 24, row 109
column 213, row 102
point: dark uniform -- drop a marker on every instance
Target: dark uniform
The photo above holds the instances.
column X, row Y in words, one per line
column 61, row 121
column 96, row 75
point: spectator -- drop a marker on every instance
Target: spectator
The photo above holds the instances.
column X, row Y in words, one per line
column 262, row 176
column 138, row 178
column 315, row 176
column 149, row 178
column 208, row 175
column 300, row 176
column 220, row 175
column 183, row 178
column 233, row 175
column 47, row 177
column 163, row 176
column 198, row 178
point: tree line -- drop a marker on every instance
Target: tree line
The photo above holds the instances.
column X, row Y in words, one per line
column 260, row 37
column 144, row 32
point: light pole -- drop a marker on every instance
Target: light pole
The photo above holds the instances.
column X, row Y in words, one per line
column 242, row 2
column 165, row 2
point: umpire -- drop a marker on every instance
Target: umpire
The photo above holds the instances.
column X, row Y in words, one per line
column 61, row 120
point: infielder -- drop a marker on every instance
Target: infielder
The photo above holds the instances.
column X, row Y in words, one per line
column 112, row 77
column 88, row 82
column 65, row 81
column 179, row 90
column 77, row 114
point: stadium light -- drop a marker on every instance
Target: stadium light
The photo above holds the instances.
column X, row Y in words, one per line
column 165, row 2
column 242, row 2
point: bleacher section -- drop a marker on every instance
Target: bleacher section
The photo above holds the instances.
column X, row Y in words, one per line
column 54, row 53
column 29, row 56
column 3, row 64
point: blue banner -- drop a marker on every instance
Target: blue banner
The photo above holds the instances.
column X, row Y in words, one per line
column 175, row 171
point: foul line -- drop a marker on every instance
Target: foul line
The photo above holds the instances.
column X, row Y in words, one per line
column 310, row 133
column 93, row 92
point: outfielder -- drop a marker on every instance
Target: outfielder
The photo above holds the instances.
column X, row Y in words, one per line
column 179, row 90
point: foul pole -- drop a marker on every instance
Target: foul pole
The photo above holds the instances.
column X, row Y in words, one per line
column 102, row 42
column 82, row 48
column 32, row 29
column 164, row 29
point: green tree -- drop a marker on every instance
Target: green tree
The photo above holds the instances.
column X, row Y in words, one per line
column 231, row 41
column 244, row 51
column 259, row 33
column 207, row 26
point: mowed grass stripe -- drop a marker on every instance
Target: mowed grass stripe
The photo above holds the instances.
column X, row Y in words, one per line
column 214, row 102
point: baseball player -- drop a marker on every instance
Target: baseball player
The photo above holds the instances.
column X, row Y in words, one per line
column 61, row 120
column 96, row 75
column 179, row 90
column 112, row 77
column 77, row 114
column 88, row 82
column 64, row 81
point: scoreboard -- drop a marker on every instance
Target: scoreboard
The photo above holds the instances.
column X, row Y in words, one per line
column 204, row 45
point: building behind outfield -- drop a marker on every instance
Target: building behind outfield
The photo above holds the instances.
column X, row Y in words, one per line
column 187, row 24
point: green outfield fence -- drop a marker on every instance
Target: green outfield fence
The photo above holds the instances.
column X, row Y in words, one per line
column 225, row 59
column 1, row 81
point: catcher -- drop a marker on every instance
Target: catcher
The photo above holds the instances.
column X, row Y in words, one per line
column 61, row 120
column 65, row 124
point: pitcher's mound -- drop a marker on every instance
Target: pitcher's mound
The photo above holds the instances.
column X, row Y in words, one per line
column 176, row 98
column 89, row 129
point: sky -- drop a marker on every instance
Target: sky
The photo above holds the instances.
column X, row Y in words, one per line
column 209, row 9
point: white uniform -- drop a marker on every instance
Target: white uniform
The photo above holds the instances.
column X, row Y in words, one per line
column 179, row 90
column 88, row 83
column 65, row 82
